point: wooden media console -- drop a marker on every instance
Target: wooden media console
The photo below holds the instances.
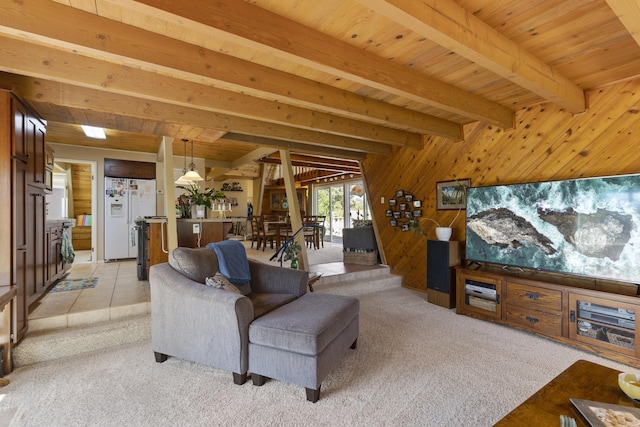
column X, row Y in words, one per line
column 597, row 317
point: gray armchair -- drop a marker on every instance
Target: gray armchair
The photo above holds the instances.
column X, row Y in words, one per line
column 208, row 325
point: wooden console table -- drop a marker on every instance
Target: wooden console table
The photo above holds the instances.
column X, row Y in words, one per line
column 582, row 380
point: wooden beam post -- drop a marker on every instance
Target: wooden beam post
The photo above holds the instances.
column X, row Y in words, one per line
column 294, row 207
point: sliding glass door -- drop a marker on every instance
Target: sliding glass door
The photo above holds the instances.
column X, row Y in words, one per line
column 341, row 204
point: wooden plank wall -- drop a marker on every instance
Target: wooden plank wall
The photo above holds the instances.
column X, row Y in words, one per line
column 81, row 181
column 547, row 144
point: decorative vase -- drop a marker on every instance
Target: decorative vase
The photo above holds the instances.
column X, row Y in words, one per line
column 443, row 233
column 294, row 264
column 198, row 211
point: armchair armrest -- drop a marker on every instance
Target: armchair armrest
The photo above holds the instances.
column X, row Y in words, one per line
column 272, row 279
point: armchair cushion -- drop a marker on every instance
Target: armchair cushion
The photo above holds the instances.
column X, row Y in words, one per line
column 195, row 263
column 264, row 303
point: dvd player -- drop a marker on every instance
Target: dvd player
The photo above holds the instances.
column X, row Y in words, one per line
column 607, row 311
column 479, row 288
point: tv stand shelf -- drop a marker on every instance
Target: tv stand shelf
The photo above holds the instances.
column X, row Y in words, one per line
column 581, row 312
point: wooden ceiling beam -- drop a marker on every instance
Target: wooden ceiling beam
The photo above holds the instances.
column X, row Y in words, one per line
column 38, row 91
column 296, row 147
column 42, row 21
column 319, row 162
column 628, row 12
column 23, row 57
column 342, row 163
column 316, row 166
column 251, row 26
column 451, row 26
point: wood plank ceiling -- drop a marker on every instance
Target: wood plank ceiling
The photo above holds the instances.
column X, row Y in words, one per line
column 331, row 79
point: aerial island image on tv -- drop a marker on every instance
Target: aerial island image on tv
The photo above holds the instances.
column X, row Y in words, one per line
column 586, row 227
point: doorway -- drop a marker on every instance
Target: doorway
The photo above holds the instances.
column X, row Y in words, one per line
column 74, row 197
column 341, row 204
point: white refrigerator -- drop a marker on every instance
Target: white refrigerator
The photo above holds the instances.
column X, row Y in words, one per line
column 125, row 200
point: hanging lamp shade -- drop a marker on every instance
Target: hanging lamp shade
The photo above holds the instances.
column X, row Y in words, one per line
column 183, row 180
column 193, row 174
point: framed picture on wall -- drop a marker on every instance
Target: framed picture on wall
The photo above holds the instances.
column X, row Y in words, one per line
column 389, row 212
column 452, row 194
column 393, row 223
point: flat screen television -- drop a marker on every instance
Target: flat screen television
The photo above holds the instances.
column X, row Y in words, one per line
column 585, row 227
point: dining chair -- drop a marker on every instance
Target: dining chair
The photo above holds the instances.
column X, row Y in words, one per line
column 254, row 231
column 310, row 231
column 264, row 235
column 320, row 219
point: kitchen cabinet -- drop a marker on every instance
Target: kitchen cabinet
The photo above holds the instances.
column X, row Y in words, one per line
column 22, row 181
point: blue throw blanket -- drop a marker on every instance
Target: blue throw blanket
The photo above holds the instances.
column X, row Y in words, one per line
column 233, row 261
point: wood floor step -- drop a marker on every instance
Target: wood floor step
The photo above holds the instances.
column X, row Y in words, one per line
column 361, row 285
column 366, row 272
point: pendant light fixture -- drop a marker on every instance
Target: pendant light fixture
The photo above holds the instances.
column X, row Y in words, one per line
column 193, row 174
column 183, row 180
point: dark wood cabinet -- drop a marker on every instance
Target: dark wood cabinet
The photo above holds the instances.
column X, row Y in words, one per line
column 35, row 145
column 36, row 248
column 54, row 267
column 275, row 200
column 19, row 145
column 116, row 168
column 24, row 172
column 19, row 249
column 49, row 158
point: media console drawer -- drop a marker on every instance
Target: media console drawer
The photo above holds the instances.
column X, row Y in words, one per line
column 538, row 298
column 536, row 321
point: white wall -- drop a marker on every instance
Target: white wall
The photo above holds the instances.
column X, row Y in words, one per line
column 97, row 155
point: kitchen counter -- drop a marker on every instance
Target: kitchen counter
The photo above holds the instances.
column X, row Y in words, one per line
column 194, row 233
column 198, row 220
column 65, row 222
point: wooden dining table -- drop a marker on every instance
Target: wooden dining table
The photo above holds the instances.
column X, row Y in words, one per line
column 278, row 227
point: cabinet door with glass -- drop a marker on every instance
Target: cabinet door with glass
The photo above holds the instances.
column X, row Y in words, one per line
column 605, row 323
column 479, row 294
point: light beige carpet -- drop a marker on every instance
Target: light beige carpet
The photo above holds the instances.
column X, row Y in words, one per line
column 416, row 365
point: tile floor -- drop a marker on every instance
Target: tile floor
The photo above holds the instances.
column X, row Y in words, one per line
column 120, row 294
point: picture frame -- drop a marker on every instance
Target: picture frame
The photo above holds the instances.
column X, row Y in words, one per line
column 396, row 214
column 393, row 223
column 388, row 212
column 405, row 227
column 452, row 194
column 417, row 213
column 408, row 197
column 403, row 206
column 407, row 214
column 417, row 204
column 399, row 193
column 392, row 202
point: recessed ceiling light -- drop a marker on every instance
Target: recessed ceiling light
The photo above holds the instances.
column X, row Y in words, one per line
column 93, row 132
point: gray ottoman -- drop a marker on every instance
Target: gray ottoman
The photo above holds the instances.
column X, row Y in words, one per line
column 302, row 341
